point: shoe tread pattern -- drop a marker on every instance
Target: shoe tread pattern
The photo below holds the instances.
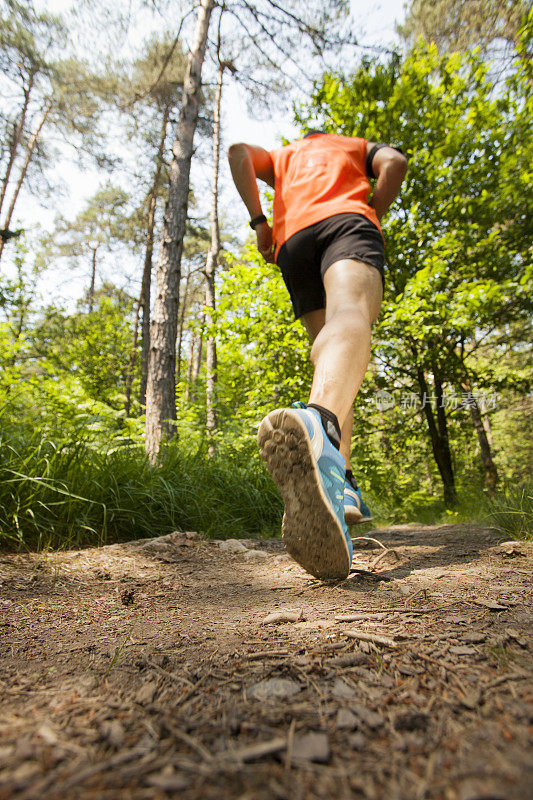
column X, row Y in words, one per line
column 310, row 529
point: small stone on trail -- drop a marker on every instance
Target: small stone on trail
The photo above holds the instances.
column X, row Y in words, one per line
column 255, row 554
column 114, row 733
column 473, row 638
column 460, row 650
column 146, row 693
column 515, row 635
column 492, row 605
column 372, row 719
column 283, row 616
column 350, row 660
column 47, row 734
column 127, row 596
column 167, row 780
column 411, row 721
column 311, row 747
column 232, row 546
column 273, row 689
column 342, row 690
column 357, row 741
column 346, row 720
column 471, row 700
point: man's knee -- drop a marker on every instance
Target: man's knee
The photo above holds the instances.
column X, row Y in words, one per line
column 355, row 288
column 349, row 324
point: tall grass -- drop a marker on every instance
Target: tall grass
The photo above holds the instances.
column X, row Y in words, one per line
column 63, row 486
column 73, row 493
column 512, row 512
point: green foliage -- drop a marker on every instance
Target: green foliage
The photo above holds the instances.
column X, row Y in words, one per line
column 459, row 270
column 263, row 353
column 72, row 465
column 90, row 348
column 68, row 490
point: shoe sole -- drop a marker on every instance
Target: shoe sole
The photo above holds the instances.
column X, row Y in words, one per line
column 352, row 515
column 310, row 530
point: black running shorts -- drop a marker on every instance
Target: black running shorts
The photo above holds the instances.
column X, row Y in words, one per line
column 305, row 257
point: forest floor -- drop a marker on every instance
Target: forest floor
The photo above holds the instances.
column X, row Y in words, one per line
column 149, row 670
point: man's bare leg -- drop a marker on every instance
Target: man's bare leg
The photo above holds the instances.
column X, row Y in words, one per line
column 313, row 322
column 341, row 350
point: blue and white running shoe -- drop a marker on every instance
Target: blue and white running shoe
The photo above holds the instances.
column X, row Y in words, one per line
column 310, row 474
column 355, row 508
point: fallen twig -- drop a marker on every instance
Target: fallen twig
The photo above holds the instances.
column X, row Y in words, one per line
column 165, row 672
column 254, row 751
column 513, row 676
column 290, row 745
column 283, row 616
column 382, row 555
column 102, row 766
column 186, row 739
column 438, row 663
column 368, row 539
column 192, row 691
column 266, row 654
column 371, row 637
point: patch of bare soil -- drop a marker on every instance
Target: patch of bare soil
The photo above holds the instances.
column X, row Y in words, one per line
column 179, row 666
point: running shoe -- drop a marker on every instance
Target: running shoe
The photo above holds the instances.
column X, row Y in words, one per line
column 310, row 474
column 355, row 508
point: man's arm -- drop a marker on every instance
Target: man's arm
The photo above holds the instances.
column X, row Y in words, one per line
column 248, row 163
column 389, row 167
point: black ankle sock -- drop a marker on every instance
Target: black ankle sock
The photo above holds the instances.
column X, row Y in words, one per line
column 330, row 423
column 351, row 479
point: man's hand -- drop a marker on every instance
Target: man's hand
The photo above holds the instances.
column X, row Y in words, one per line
column 263, row 231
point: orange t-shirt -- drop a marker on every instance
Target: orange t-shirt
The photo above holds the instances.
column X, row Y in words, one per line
column 317, row 177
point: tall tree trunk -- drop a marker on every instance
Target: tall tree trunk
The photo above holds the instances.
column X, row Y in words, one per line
column 190, row 367
column 18, row 128
column 486, row 423
column 93, row 280
column 489, row 467
column 210, row 272
column 182, row 325
column 133, row 357
column 29, row 153
column 161, row 387
column 438, row 433
column 147, row 270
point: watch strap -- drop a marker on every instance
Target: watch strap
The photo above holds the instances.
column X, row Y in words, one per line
column 257, row 220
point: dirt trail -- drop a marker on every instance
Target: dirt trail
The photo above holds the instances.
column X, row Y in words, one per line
column 147, row 671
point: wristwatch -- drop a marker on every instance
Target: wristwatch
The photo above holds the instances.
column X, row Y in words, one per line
column 257, row 220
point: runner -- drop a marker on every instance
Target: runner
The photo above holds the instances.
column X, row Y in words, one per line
column 326, row 239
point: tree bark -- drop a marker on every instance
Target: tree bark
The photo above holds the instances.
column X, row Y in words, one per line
column 93, row 280
column 15, row 140
column 29, row 153
column 161, row 389
column 147, row 270
column 489, row 467
column 182, row 325
column 438, row 433
column 190, row 369
column 133, row 357
column 210, row 272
